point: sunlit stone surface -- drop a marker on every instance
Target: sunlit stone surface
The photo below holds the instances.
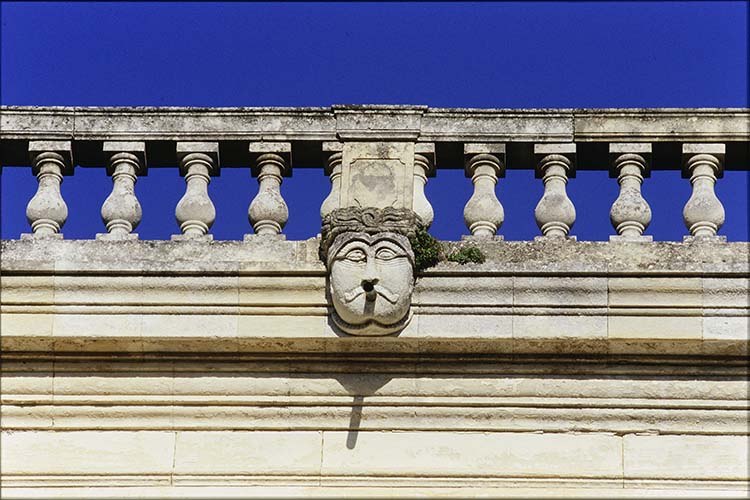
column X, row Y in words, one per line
column 335, row 366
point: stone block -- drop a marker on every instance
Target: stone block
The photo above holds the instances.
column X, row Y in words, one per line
column 530, row 327
column 470, row 293
column 26, row 378
column 377, row 174
column 721, row 327
column 90, row 290
column 248, row 453
column 726, row 292
column 559, row 291
column 281, row 326
column 109, row 382
column 99, row 332
column 207, row 383
column 18, row 417
column 655, row 327
column 26, row 332
column 282, row 291
column 466, row 326
column 189, row 325
column 188, row 290
column 24, row 290
column 471, row 454
column 653, row 292
column 686, row 457
column 87, row 452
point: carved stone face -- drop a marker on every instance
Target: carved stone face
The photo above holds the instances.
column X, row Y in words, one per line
column 371, row 281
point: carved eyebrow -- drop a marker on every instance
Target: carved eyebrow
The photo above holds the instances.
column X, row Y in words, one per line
column 352, row 245
column 390, row 245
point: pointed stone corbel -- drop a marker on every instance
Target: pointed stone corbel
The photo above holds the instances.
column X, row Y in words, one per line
column 483, row 213
column 555, row 213
column 195, row 212
column 424, row 167
column 47, row 210
column 630, row 213
column 121, row 211
column 268, row 212
column 703, row 212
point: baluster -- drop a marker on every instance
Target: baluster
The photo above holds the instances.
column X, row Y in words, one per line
column 333, row 171
column 47, row 211
column 630, row 213
column 195, row 212
column 121, row 211
column 268, row 212
column 555, row 213
column 483, row 213
column 424, row 166
column 703, row 212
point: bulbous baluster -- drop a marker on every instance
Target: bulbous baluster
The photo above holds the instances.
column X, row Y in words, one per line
column 630, row 213
column 121, row 211
column 47, row 210
column 703, row 212
column 333, row 170
column 483, row 213
column 555, row 213
column 268, row 212
column 423, row 166
column 195, row 212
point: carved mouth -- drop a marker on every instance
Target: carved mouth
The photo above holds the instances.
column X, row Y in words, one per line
column 371, row 291
column 371, row 328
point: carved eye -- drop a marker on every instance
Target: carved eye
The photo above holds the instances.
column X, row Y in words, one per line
column 386, row 254
column 356, row 255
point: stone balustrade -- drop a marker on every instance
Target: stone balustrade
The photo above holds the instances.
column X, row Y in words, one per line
column 702, row 143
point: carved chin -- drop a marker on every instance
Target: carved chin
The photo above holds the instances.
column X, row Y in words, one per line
column 373, row 327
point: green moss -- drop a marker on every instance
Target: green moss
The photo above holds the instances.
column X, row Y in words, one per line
column 466, row 255
column 427, row 250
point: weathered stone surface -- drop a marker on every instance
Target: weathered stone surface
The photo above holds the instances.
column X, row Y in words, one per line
column 87, row 452
column 555, row 367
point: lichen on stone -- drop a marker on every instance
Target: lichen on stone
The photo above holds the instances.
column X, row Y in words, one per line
column 467, row 255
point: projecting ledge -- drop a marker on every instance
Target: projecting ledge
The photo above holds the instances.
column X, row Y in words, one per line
column 269, row 296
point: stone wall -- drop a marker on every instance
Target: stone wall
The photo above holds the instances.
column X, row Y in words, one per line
column 202, row 368
column 211, row 368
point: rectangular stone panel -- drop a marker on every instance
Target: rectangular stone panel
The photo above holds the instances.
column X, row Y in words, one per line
column 651, row 292
column 655, row 327
column 686, row 457
column 90, row 290
column 531, row 327
column 282, row 291
column 469, row 454
column 248, row 453
column 726, row 292
column 87, row 452
column 559, row 291
column 218, row 290
column 457, row 292
column 27, row 289
column 377, row 174
column 466, row 326
column 720, row 327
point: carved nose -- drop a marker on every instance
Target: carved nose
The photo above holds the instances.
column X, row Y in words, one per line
column 368, row 285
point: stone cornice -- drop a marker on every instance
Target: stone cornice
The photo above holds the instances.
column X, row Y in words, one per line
column 415, row 123
column 566, row 299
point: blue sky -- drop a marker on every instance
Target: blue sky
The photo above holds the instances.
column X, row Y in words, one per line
column 581, row 54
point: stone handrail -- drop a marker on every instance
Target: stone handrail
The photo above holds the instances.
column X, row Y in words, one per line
column 554, row 142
